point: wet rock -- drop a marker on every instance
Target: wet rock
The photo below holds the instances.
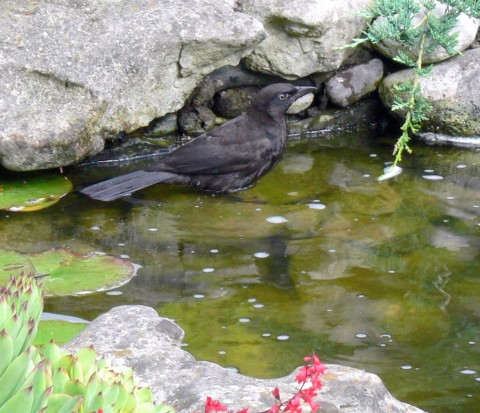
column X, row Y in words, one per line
column 350, row 85
column 364, row 115
column 233, row 102
column 74, row 73
column 303, row 35
column 136, row 336
column 166, row 125
column 452, row 90
column 466, row 28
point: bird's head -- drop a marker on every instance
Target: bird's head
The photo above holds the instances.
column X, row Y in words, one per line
column 275, row 99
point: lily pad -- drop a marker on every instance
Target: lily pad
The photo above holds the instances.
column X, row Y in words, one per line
column 33, row 193
column 66, row 273
column 13, row 263
column 59, row 331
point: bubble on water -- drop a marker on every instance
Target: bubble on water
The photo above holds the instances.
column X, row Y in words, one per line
column 366, row 175
column 114, row 292
column 471, row 342
column 277, row 219
column 468, row 371
column 198, row 296
column 208, row 269
column 244, row 320
column 121, row 244
column 406, row 367
column 428, row 171
column 266, row 335
column 385, row 336
column 214, row 251
column 450, row 197
column 259, row 305
column 361, row 335
column 461, row 166
column 292, row 193
column 361, row 295
column 124, row 256
column 432, row 177
column 222, row 352
column 316, row 206
column 95, row 228
column 382, row 345
column 153, row 229
column 332, row 250
column 477, row 378
column 261, row 254
column 391, row 271
column 283, row 337
column 252, row 300
column 373, row 155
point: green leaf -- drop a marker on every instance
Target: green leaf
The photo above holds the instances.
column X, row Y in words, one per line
column 31, row 193
column 67, row 273
column 20, row 402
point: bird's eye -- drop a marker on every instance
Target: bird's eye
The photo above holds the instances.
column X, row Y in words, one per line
column 282, row 96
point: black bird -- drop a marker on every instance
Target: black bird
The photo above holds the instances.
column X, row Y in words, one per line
column 230, row 157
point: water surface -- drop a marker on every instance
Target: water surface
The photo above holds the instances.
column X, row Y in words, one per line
column 319, row 256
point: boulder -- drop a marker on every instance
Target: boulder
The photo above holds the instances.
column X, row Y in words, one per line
column 466, row 28
column 74, row 73
column 350, row 85
column 303, row 35
column 137, row 337
column 452, row 90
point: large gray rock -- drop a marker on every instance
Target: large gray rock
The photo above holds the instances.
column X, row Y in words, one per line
column 303, row 34
column 137, row 337
column 73, row 73
column 452, row 90
column 350, row 85
column 466, row 28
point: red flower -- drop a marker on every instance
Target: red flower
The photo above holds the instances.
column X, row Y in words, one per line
column 244, row 410
column 214, row 406
column 276, row 393
column 274, row 409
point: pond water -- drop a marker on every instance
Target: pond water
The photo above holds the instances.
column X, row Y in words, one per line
column 319, row 256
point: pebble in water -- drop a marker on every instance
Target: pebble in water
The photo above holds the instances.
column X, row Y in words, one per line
column 276, row 219
column 114, row 293
column 432, row 177
column 316, row 206
column 261, row 254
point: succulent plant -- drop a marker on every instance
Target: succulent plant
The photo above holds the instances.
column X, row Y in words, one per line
column 54, row 380
column 25, row 382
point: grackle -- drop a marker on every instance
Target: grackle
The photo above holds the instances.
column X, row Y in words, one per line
column 230, row 157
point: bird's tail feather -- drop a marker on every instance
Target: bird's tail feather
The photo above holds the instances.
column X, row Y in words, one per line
column 124, row 185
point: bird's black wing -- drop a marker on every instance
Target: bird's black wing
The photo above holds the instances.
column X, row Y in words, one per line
column 229, row 148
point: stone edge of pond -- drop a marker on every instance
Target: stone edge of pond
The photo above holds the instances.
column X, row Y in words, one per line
column 136, row 336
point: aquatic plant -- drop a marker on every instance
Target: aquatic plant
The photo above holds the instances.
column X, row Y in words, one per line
column 396, row 19
column 54, row 380
column 308, row 377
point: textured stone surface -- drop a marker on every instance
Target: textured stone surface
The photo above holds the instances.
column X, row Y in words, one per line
column 136, row 336
column 350, row 85
column 303, row 34
column 73, row 73
column 466, row 28
column 452, row 90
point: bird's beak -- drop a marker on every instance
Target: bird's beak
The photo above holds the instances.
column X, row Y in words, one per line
column 303, row 90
